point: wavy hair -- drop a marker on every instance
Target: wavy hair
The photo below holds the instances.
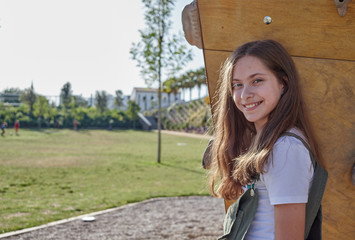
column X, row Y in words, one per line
column 239, row 153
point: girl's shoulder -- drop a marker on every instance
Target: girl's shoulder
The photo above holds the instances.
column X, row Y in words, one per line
column 289, row 155
column 289, row 149
column 287, row 141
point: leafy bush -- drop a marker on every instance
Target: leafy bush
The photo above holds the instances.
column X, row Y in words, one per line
column 87, row 117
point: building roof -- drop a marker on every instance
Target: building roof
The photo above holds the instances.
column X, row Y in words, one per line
column 145, row 89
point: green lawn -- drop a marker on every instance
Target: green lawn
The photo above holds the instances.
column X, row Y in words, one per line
column 51, row 175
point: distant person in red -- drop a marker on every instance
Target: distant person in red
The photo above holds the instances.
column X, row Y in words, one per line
column 75, row 123
column 17, row 126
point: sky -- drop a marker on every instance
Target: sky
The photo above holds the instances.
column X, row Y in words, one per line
column 84, row 42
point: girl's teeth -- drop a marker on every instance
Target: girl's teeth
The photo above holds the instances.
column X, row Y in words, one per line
column 250, row 105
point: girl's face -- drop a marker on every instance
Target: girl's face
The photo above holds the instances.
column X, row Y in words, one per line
column 256, row 90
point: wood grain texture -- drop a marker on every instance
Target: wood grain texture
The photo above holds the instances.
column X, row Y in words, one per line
column 305, row 28
column 328, row 88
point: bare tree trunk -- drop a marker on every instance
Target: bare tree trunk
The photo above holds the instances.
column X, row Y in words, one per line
column 159, row 114
column 159, row 126
column 162, row 32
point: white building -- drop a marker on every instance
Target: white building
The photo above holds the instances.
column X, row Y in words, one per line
column 147, row 98
column 12, row 99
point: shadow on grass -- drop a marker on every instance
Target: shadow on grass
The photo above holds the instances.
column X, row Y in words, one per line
column 43, row 130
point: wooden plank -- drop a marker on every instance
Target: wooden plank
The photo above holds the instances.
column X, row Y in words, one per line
column 213, row 62
column 328, row 87
column 306, row 28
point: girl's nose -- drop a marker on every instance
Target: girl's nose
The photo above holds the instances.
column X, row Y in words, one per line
column 246, row 93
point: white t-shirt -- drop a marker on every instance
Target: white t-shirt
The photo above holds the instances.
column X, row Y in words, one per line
column 287, row 179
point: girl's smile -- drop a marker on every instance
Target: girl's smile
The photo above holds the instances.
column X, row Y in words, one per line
column 256, row 90
column 251, row 106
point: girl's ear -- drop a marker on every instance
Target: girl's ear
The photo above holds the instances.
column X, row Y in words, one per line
column 285, row 80
column 285, row 84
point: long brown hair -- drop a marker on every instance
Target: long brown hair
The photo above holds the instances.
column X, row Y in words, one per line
column 239, row 153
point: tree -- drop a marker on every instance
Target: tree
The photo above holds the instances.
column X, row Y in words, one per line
column 78, row 101
column 118, row 99
column 41, row 109
column 171, row 86
column 29, row 97
column 132, row 112
column 175, row 87
column 200, row 79
column 191, row 81
column 195, row 78
column 66, row 95
column 101, row 101
column 158, row 51
column 182, row 82
column 52, row 114
column 167, row 88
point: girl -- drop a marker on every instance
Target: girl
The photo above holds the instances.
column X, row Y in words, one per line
column 259, row 99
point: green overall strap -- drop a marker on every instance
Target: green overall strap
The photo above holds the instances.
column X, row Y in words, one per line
column 317, row 189
column 240, row 215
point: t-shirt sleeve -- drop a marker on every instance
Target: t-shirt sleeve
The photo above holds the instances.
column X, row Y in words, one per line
column 289, row 172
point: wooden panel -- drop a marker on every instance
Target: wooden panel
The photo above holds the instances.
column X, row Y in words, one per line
column 213, row 61
column 328, row 87
column 306, row 28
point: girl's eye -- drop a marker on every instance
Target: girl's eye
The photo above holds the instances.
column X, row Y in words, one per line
column 256, row 81
column 236, row 85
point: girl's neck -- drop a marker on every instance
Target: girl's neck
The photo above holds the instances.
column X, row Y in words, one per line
column 259, row 127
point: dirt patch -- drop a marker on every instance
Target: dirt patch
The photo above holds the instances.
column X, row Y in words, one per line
column 16, row 215
column 176, row 218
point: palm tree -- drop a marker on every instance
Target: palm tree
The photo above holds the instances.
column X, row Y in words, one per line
column 182, row 84
column 168, row 87
column 190, row 81
column 200, row 79
column 174, row 87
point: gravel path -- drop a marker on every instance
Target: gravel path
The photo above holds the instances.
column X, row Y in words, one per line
column 161, row 218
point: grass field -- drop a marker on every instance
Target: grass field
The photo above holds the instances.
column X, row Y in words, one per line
column 51, row 175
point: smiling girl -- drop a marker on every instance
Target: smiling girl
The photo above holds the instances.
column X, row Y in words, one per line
column 259, row 100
